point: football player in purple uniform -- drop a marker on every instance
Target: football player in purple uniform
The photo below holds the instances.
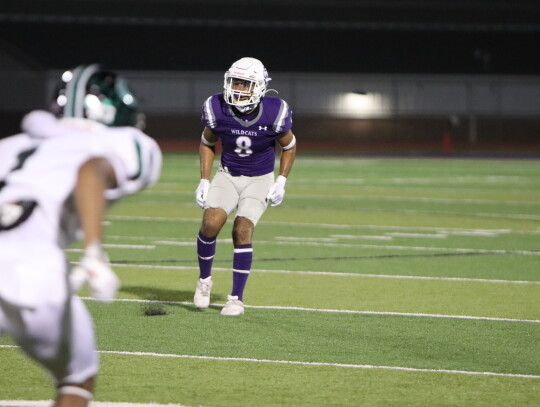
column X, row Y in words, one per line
column 249, row 125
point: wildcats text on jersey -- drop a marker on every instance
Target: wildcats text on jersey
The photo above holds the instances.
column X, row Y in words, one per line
column 244, row 132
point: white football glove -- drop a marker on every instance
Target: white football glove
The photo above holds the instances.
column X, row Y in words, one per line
column 277, row 191
column 94, row 268
column 202, row 192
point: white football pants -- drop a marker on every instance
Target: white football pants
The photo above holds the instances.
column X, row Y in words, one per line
column 37, row 308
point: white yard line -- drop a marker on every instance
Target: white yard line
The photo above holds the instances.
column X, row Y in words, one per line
column 320, row 242
column 321, row 364
column 362, row 237
column 326, row 273
column 451, row 213
column 152, row 218
column 324, row 364
column 177, row 243
column 117, row 246
column 328, row 242
column 414, row 199
column 306, row 239
column 306, row 224
column 334, row 311
column 413, row 248
column 153, row 267
column 48, row 403
column 453, row 231
column 391, row 276
column 451, row 200
column 420, row 235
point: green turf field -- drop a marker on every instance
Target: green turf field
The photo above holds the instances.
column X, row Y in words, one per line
column 377, row 282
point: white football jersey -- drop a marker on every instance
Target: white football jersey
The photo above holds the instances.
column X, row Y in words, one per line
column 37, row 126
column 48, row 173
column 10, row 148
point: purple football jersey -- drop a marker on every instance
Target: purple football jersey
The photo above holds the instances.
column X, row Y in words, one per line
column 248, row 141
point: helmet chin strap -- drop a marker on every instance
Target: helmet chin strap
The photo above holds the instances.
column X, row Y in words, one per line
column 246, row 108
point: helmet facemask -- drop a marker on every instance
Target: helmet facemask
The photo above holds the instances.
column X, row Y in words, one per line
column 245, row 84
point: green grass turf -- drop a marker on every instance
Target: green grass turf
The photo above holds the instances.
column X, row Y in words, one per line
column 230, row 383
column 468, row 219
column 431, row 343
column 495, row 300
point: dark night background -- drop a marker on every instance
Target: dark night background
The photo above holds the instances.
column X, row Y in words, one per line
column 353, row 36
column 477, row 39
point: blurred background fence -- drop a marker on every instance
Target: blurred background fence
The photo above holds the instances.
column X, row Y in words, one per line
column 446, row 114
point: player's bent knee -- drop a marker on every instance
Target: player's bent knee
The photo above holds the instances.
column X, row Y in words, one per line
column 242, row 230
column 213, row 221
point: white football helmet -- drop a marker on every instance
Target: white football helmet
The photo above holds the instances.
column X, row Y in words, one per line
column 255, row 78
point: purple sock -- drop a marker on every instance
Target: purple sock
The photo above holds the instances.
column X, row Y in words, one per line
column 243, row 256
column 206, row 249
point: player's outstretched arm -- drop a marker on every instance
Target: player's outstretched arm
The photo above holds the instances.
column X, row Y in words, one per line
column 94, row 177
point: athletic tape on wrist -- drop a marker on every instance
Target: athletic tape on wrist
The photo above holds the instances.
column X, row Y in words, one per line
column 75, row 391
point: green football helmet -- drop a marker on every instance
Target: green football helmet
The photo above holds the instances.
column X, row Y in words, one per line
column 93, row 93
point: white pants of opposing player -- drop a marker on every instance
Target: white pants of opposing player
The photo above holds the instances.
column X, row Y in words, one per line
column 37, row 308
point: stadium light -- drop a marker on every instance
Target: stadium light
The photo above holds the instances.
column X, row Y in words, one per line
column 360, row 103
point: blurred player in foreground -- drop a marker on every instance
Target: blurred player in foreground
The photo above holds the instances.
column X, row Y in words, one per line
column 57, row 179
column 249, row 125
